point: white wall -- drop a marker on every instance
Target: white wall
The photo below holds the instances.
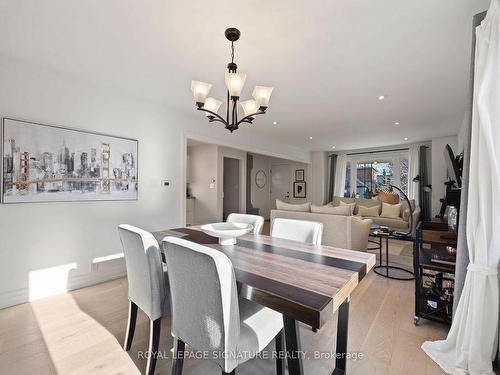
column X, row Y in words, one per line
column 261, row 197
column 439, row 171
column 203, row 161
column 54, row 244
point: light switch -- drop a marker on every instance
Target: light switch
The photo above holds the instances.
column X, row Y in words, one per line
column 166, row 183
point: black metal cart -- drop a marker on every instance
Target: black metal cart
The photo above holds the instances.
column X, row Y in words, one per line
column 434, row 257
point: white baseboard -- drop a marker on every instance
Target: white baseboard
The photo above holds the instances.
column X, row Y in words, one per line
column 100, row 272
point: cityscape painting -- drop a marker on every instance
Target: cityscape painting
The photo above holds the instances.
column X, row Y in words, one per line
column 42, row 163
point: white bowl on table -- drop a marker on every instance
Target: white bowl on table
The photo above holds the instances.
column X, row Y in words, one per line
column 227, row 232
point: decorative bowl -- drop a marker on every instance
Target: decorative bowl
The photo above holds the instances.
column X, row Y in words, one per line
column 227, row 232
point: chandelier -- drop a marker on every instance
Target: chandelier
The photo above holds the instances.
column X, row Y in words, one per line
column 234, row 83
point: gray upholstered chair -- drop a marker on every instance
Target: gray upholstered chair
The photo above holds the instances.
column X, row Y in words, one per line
column 298, row 230
column 147, row 286
column 255, row 220
column 207, row 313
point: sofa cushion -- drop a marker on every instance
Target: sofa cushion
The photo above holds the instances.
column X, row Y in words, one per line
column 352, row 206
column 332, row 210
column 368, row 211
column 302, row 207
column 336, row 200
column 365, row 202
column 391, row 210
column 391, row 222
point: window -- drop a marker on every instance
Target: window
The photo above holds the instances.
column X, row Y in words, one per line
column 365, row 177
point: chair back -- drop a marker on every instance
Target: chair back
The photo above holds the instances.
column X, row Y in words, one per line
column 146, row 281
column 205, row 311
column 298, row 230
column 255, row 220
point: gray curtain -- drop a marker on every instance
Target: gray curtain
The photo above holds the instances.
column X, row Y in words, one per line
column 462, row 248
column 425, row 203
column 331, row 180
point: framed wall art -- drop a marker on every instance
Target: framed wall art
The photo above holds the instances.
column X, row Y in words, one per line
column 299, row 175
column 45, row 163
column 299, row 189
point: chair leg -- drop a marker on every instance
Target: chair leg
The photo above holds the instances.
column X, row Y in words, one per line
column 154, row 340
column 132, row 317
column 178, row 360
column 280, row 359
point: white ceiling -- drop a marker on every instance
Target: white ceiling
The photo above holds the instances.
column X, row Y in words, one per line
column 328, row 60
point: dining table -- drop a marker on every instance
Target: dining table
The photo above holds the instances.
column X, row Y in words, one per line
column 306, row 283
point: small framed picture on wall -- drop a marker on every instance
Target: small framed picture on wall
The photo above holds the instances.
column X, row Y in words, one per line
column 299, row 189
column 299, row 175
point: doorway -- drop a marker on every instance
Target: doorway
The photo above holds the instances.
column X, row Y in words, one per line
column 231, row 187
column 280, row 183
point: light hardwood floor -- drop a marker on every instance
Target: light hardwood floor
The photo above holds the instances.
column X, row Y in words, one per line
column 82, row 332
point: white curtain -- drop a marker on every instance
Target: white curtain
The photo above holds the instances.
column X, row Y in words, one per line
column 340, row 173
column 413, row 170
column 471, row 344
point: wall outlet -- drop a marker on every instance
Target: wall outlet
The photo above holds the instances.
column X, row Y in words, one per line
column 166, row 183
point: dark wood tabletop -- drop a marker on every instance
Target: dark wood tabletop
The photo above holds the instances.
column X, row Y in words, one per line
column 305, row 282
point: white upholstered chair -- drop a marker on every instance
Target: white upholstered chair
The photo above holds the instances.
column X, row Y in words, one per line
column 255, row 220
column 207, row 313
column 147, row 286
column 298, row 230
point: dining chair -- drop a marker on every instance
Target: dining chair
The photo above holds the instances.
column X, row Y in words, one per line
column 298, row 230
column 207, row 313
column 255, row 220
column 147, row 286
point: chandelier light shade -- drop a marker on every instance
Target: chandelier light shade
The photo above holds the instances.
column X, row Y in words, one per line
column 249, row 107
column 234, row 83
column 200, row 90
column 212, row 105
column 262, row 94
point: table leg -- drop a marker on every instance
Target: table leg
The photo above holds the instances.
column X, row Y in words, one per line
column 292, row 345
column 387, row 254
column 380, row 251
column 342, row 331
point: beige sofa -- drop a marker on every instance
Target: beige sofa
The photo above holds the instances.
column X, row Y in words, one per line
column 347, row 232
column 401, row 223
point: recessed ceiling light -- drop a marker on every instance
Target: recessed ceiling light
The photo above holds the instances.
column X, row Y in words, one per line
column 381, row 97
column 405, row 138
column 275, row 122
column 310, row 137
column 333, row 147
column 396, row 123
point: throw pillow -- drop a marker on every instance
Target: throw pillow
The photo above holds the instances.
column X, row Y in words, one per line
column 351, row 205
column 391, row 210
column 368, row 211
column 391, row 198
column 331, row 210
column 303, row 207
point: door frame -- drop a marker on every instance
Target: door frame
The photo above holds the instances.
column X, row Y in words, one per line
column 241, row 189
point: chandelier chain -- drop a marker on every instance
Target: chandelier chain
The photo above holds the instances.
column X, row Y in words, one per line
column 232, row 52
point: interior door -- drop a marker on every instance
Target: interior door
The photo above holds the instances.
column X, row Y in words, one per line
column 231, row 187
column 280, row 183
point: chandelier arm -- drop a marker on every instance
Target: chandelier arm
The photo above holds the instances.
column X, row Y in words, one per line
column 219, row 118
column 248, row 117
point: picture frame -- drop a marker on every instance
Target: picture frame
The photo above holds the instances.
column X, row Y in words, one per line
column 299, row 175
column 50, row 163
column 299, row 189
